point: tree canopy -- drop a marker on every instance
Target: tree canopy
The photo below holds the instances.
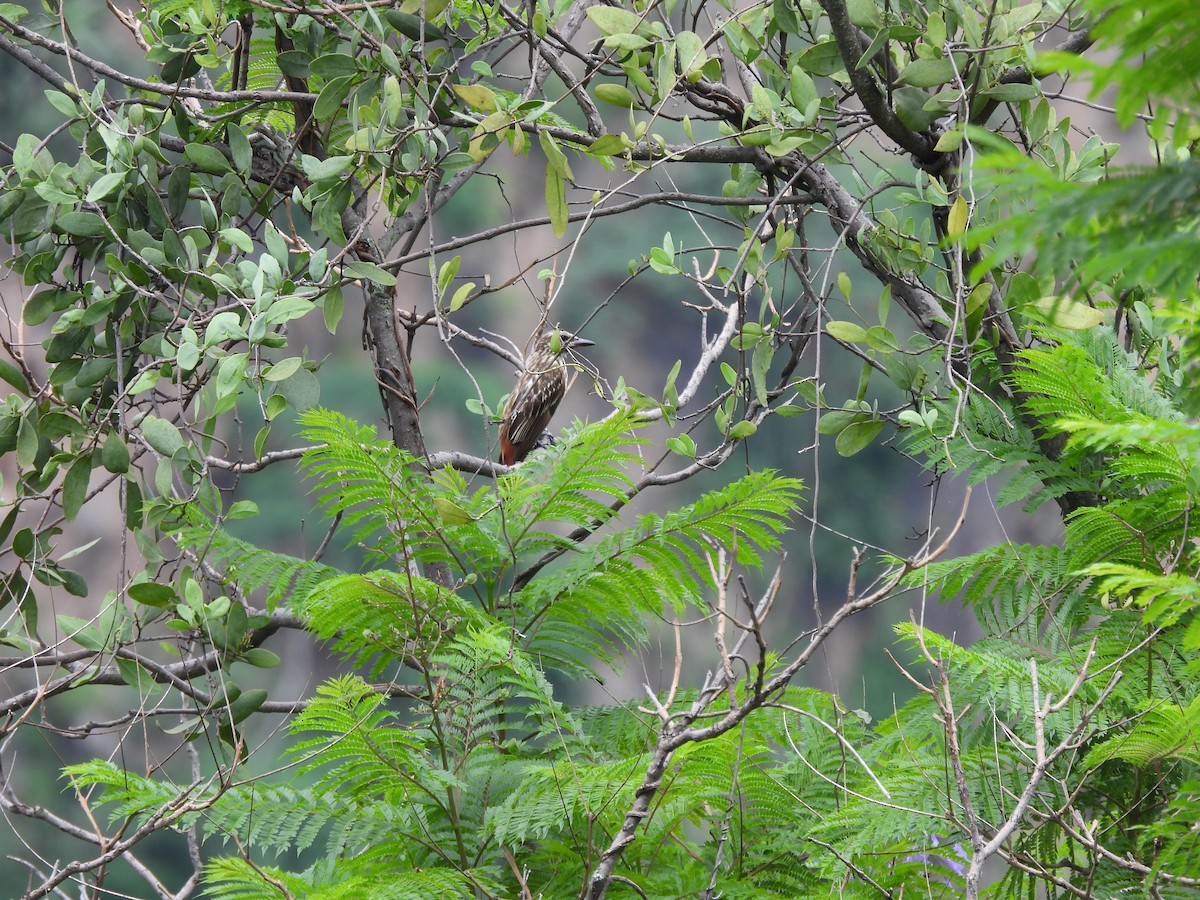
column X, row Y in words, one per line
column 844, row 228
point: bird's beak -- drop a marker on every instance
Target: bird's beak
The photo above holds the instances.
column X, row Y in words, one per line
column 582, row 342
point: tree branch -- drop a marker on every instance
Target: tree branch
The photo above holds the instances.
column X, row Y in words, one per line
column 850, row 45
column 681, row 729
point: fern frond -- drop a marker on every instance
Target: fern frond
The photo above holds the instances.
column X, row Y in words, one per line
column 370, row 618
column 636, row 570
column 283, row 577
column 571, row 483
column 494, row 686
column 1063, row 381
column 232, row 878
column 381, row 493
column 555, row 797
column 1133, row 531
column 987, row 437
column 1163, row 731
column 1018, row 591
column 1166, row 597
column 355, row 742
column 274, row 818
column 133, row 796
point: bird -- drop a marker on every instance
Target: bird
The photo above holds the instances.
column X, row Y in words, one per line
column 539, row 390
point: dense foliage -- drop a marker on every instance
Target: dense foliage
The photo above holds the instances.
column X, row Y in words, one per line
column 176, row 226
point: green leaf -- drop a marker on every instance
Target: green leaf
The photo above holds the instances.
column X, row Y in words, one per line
column 239, row 148
column 188, row 356
column 476, row 96
column 742, row 429
column 461, row 295
column 857, row 436
column 42, row 304
column 147, row 593
column 446, row 274
column 612, row 20
column 246, row 704
column 614, row 94
column 877, row 42
column 555, row 158
column 12, row 375
column 73, row 583
column 760, row 365
column 260, row 658
column 784, row 13
column 235, row 237
column 451, row 513
column 207, row 158
column 882, row 339
column 689, row 50
column 80, row 224
column 802, row 90
column 326, row 169
column 23, row 543
column 285, row 368
column 556, row 202
column 27, row 439
column 956, row 222
column 242, row 509
column 260, row 439
column 9, row 520
column 978, row 299
column 333, row 65
column 145, row 381
column 179, row 184
column 927, row 73
column 302, row 391
column 135, row 674
column 75, row 485
column 332, row 305
column 105, row 185
column 863, row 13
column 663, row 262
column 79, row 631
column 276, row 404
column 949, row 142
column 1065, row 313
column 162, row 435
column 1011, row 93
column 16, row 12
column 683, row 445
column 370, row 272
column 115, row 455
column 276, row 245
column 822, row 59
column 15, row 589
column 412, row 27
column 607, row 145
column 837, row 420
column 329, row 101
column 849, row 332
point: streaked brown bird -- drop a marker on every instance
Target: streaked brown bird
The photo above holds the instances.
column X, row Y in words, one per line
column 539, row 390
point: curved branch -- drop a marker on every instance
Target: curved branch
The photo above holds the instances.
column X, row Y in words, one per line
column 1076, row 42
column 680, row 729
column 850, row 45
column 176, row 674
column 853, row 226
column 140, row 84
